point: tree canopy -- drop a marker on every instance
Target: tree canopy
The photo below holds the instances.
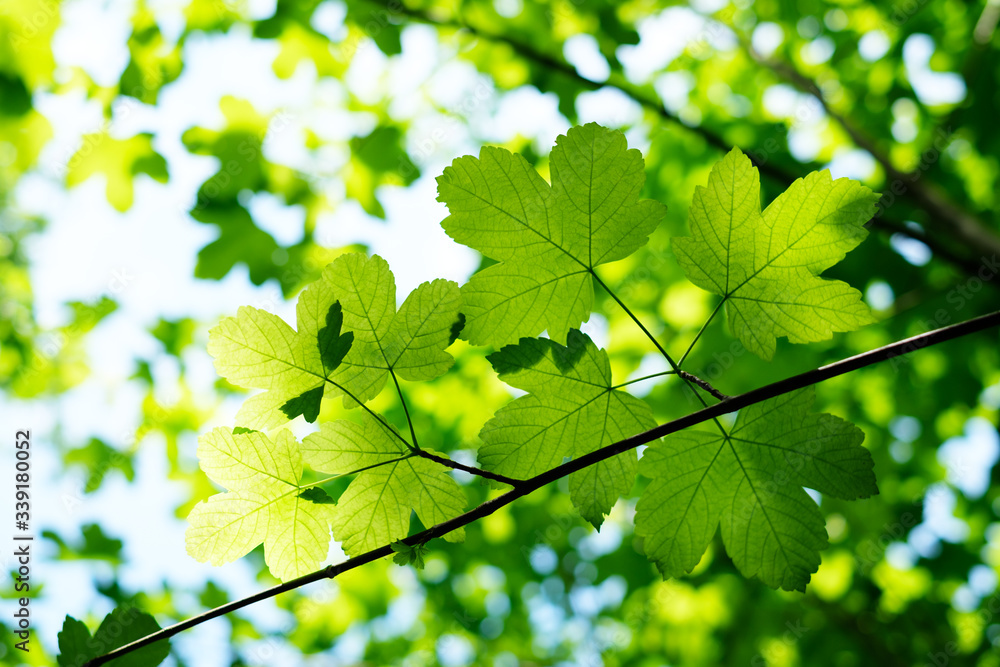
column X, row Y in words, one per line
column 291, row 285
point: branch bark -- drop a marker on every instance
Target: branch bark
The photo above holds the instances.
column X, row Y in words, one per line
column 945, row 215
column 455, row 465
column 523, row 488
column 943, row 212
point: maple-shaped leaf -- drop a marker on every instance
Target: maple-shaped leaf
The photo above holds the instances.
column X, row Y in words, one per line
column 547, row 240
column 766, row 265
column 411, row 341
column 571, row 410
column 751, row 482
column 120, row 160
column 124, row 625
column 390, row 482
column 264, row 503
column 258, row 350
column 404, row 554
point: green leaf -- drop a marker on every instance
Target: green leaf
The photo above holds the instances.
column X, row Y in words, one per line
column 123, row 625
column 404, row 554
column 120, row 160
column 547, row 239
column 377, row 159
column 751, row 483
column 96, row 544
column 73, row 638
column 240, row 241
column 306, row 404
column 258, row 350
column 375, row 508
column 332, row 347
column 411, row 342
column 571, row 410
column 264, row 504
column 99, row 459
column 766, row 265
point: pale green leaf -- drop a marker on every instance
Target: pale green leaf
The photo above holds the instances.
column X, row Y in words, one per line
column 390, row 483
column 571, row 410
column 264, row 503
column 298, row 537
column 410, row 342
column 548, row 239
column 375, row 508
column 751, row 483
column 258, row 350
column 341, row 447
column 249, row 460
column 766, row 266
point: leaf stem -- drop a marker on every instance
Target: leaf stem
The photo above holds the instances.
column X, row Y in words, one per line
column 688, row 382
column 700, row 332
column 406, row 410
column 888, row 352
column 355, row 472
column 376, row 415
column 414, row 449
column 644, row 377
column 635, row 319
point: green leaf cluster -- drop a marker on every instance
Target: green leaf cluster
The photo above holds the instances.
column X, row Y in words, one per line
column 749, row 480
column 124, row 625
column 548, row 240
column 267, row 500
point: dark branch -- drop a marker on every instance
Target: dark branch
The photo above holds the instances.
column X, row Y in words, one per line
column 479, row 472
column 886, row 353
column 704, row 385
column 950, row 218
column 940, row 209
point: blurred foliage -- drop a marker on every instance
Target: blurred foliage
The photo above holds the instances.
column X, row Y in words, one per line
column 533, row 583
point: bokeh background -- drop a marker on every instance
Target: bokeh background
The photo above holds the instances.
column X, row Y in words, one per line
column 163, row 162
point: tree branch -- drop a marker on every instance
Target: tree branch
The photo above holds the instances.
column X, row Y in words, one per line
column 954, row 218
column 704, row 384
column 809, row 378
column 479, row 472
column 939, row 207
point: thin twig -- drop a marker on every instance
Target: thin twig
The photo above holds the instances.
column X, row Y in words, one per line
column 940, row 209
column 800, row 381
column 705, row 385
column 643, row 378
column 479, row 472
column 965, row 225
